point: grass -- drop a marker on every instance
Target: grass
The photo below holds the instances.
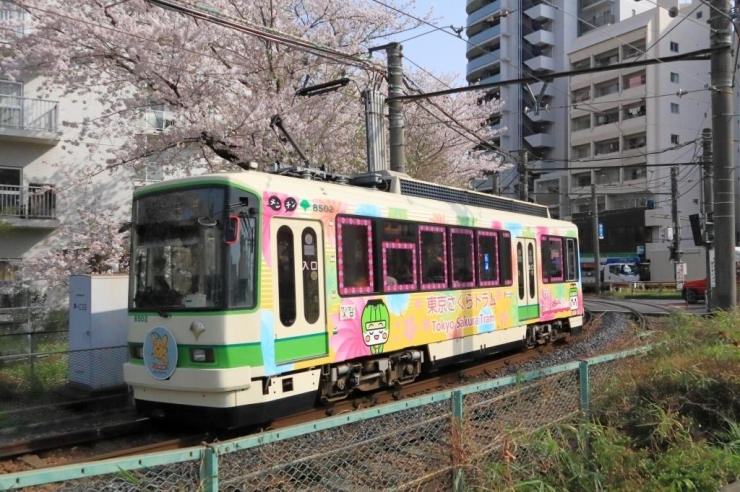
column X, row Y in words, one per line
column 668, row 421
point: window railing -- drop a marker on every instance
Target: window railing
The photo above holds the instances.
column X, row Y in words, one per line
column 24, row 113
column 29, row 202
column 156, row 120
column 634, row 112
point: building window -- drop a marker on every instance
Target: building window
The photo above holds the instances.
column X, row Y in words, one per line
column 674, row 46
column 581, row 151
column 634, row 111
column 635, row 141
column 610, row 87
column 699, row 14
column 674, row 139
column 634, row 80
column 11, row 104
column 674, row 77
column 581, row 123
column 674, row 108
column 632, row 173
column 582, row 95
column 607, row 117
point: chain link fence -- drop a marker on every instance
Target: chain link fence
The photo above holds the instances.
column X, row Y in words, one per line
column 467, row 439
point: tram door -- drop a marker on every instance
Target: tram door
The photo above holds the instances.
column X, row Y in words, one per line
column 298, row 290
column 526, row 267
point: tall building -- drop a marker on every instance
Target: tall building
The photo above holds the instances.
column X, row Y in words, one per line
column 629, row 127
column 510, row 39
column 615, row 129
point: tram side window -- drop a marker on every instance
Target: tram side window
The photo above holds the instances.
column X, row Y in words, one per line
column 286, row 276
column 399, row 256
column 552, row 259
column 310, row 267
column 433, row 250
column 507, row 277
column 462, row 258
column 488, row 258
column 355, row 256
column 572, row 271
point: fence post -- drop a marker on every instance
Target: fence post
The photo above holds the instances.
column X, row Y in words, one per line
column 209, row 470
column 585, row 390
column 458, row 477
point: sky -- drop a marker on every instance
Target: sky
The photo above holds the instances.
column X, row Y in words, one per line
column 438, row 52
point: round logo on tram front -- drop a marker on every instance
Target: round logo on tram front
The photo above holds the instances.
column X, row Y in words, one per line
column 160, row 352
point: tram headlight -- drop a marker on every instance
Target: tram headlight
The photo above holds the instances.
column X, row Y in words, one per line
column 202, row 355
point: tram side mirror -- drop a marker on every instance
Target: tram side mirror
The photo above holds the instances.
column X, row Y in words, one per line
column 231, row 230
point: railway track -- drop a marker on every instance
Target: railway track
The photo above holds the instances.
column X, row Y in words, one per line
column 460, row 375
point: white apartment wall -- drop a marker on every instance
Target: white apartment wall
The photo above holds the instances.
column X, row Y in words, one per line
column 694, row 115
column 66, row 166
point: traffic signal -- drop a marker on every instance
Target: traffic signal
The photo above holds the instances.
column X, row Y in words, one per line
column 696, row 229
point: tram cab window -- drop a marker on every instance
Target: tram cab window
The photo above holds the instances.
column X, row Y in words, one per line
column 553, row 259
column 571, row 260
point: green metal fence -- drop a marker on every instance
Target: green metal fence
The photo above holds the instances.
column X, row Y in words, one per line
column 447, row 440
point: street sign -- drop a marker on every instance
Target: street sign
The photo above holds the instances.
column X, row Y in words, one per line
column 601, row 230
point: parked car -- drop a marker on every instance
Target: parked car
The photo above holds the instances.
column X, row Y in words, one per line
column 694, row 290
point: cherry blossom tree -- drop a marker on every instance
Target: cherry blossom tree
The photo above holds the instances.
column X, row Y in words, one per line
column 220, row 88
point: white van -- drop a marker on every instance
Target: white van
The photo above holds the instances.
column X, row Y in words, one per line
column 610, row 273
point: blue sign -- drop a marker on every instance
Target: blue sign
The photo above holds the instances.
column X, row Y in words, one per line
column 160, row 352
column 601, row 230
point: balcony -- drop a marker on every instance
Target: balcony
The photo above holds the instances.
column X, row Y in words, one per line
column 482, row 62
column 539, row 140
column 483, row 13
column 29, row 206
column 541, row 12
column 476, row 43
column 592, row 4
column 539, row 63
column 26, row 119
column 541, row 116
column 541, row 38
column 586, row 25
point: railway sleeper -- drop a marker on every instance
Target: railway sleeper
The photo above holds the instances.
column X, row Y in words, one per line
column 381, row 371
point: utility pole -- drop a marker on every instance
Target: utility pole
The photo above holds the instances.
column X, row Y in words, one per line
column 722, row 124
column 708, row 216
column 595, row 224
column 395, row 107
column 523, row 175
column 677, row 253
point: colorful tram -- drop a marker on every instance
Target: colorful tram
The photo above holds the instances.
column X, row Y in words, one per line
column 255, row 295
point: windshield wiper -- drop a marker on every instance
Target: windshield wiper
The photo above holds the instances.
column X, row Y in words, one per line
column 149, row 296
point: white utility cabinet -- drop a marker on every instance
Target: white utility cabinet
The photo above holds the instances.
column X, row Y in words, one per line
column 98, row 321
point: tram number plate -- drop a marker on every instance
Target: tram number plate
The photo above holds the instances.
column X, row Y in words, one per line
column 141, row 318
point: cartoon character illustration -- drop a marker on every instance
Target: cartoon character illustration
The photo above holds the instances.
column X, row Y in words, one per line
column 573, row 295
column 375, row 321
column 159, row 348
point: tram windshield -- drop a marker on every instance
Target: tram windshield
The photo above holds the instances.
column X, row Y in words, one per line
column 193, row 249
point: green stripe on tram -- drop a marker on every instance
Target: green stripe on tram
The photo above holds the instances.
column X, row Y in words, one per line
column 529, row 312
column 249, row 354
column 304, row 347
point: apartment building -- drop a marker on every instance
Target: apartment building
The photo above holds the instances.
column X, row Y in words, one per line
column 628, row 127
column 509, row 39
column 46, row 189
